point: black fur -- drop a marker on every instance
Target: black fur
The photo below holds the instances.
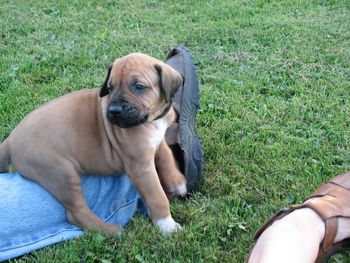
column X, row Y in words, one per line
column 104, row 89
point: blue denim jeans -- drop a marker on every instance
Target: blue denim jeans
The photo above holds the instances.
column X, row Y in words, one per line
column 31, row 218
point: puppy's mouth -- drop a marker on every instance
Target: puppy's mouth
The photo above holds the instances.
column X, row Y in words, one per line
column 125, row 115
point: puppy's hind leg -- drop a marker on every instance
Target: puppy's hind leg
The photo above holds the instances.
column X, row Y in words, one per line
column 64, row 184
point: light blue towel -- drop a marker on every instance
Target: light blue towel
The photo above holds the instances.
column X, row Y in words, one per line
column 31, row 218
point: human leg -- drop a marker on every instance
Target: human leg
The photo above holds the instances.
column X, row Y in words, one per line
column 31, row 218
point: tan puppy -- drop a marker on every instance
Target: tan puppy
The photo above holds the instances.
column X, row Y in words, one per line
column 119, row 128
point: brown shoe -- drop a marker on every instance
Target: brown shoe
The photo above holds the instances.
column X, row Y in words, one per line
column 332, row 203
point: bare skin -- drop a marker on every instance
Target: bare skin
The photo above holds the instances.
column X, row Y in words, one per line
column 295, row 238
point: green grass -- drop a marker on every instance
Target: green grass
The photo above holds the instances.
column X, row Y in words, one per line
column 274, row 117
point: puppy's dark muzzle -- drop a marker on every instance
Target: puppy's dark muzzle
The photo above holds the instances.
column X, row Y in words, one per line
column 122, row 114
column 115, row 109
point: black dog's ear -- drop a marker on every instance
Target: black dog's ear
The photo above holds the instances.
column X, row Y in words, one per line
column 169, row 81
column 104, row 90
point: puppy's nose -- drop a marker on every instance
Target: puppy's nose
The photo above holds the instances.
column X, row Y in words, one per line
column 115, row 108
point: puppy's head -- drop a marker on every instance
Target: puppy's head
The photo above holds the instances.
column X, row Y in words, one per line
column 140, row 89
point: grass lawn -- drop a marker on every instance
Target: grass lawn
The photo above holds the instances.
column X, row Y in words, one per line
column 274, row 117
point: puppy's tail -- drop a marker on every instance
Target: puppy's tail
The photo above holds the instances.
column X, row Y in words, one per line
column 4, row 157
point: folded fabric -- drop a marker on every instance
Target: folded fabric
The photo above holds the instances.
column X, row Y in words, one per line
column 31, row 218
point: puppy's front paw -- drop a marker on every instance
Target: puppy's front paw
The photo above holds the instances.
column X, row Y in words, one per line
column 167, row 225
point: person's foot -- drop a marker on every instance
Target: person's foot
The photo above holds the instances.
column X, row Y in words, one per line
column 181, row 135
column 331, row 203
column 293, row 238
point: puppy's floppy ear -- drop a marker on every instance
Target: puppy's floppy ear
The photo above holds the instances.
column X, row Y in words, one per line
column 169, row 80
column 104, row 91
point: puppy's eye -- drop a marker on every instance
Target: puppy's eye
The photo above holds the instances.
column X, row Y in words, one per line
column 109, row 89
column 140, row 88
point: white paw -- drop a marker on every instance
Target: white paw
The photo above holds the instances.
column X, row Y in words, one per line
column 167, row 225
